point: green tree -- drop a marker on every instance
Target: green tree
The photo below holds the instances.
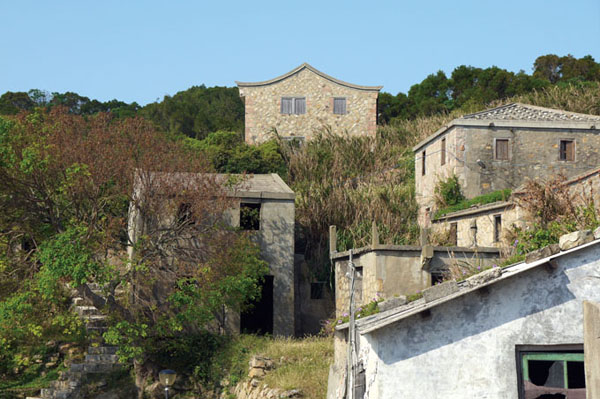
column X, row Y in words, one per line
column 63, row 219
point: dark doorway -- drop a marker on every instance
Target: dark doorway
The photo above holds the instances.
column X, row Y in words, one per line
column 259, row 318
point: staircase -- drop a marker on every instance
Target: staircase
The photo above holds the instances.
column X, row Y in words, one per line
column 99, row 358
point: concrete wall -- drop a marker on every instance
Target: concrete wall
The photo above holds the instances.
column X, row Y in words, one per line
column 276, row 238
column 465, row 348
column 533, row 154
column 263, row 108
column 397, row 270
column 512, row 216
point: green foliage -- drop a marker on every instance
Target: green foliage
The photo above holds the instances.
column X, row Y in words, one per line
column 230, row 154
column 448, row 192
column 495, row 196
column 198, row 111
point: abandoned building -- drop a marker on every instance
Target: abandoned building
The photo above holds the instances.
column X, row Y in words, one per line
column 270, row 204
column 501, row 148
column 505, row 333
column 304, row 101
column 395, row 270
column 488, row 224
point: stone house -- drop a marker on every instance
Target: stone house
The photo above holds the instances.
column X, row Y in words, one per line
column 306, row 100
column 512, row 332
column 273, row 202
column 501, row 148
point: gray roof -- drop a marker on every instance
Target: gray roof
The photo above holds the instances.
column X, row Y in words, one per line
column 255, row 186
column 312, row 69
column 383, row 319
column 475, row 210
column 520, row 115
column 525, row 112
column 269, row 186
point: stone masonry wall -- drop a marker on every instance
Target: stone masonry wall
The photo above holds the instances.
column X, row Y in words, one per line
column 510, row 217
column 435, row 171
column 263, row 108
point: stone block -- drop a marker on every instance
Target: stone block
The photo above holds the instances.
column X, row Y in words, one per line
column 484, row 277
column 439, row 291
column 575, row 239
column 257, row 372
column 391, row 303
column 597, row 233
column 542, row 253
column 261, row 362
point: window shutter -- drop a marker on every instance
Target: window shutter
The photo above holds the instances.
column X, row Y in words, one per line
column 570, row 151
column 339, row 106
column 286, row 105
column 502, row 149
column 300, row 105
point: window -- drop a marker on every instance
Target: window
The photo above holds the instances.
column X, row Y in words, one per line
column 453, row 239
column 293, row 105
column 443, row 152
column 184, row 215
column 250, row 216
column 567, row 150
column 423, row 163
column 339, row 106
column 497, row 227
column 501, row 153
column 557, row 373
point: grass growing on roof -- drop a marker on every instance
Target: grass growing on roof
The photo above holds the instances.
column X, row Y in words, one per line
column 500, row 195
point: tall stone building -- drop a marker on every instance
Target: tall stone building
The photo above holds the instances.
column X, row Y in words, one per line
column 306, row 100
column 501, row 148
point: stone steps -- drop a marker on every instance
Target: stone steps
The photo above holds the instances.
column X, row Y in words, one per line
column 98, row 359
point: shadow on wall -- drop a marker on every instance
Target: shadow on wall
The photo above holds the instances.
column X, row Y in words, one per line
column 485, row 309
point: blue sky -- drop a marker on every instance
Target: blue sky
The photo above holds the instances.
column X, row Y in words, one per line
column 143, row 50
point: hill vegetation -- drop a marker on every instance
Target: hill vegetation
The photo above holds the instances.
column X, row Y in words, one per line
column 64, row 208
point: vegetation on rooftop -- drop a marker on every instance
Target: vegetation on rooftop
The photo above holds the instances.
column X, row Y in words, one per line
column 495, row 196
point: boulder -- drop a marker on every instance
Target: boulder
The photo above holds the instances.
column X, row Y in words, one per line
column 256, row 372
column 575, row 239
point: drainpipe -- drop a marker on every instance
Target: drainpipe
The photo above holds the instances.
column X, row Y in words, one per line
column 351, row 333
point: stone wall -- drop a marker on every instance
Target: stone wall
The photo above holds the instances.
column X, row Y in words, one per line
column 263, row 108
column 483, row 218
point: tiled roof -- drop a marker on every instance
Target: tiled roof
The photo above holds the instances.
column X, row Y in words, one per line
column 524, row 112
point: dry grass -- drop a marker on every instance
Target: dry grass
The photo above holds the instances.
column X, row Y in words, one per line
column 300, row 364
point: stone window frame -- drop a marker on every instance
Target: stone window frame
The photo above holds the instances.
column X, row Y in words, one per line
column 560, row 152
column 508, row 150
column 294, row 108
column 345, row 106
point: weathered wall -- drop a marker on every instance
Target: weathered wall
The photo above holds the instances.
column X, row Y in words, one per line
column 465, row 348
column 310, row 312
column 435, row 171
column 263, row 108
column 276, row 237
column 397, row 270
column 533, row 154
column 512, row 216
